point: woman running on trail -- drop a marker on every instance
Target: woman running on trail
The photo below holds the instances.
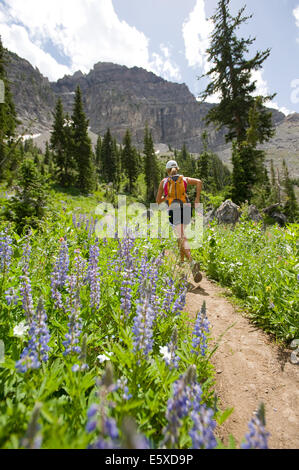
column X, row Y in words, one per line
column 172, row 190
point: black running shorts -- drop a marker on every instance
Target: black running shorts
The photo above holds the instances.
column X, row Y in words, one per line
column 180, row 214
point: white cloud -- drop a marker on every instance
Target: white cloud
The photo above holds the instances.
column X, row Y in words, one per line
column 296, row 15
column 162, row 65
column 282, row 109
column 85, row 31
column 196, row 33
column 262, row 88
column 16, row 39
column 261, row 84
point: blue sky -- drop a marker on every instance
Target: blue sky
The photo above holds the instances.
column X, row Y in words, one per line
column 168, row 37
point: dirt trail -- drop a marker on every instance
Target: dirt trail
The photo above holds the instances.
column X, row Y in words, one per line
column 249, row 369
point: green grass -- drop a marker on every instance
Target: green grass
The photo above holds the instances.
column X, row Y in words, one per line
column 261, row 268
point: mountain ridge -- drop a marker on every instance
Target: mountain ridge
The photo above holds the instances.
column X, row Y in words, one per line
column 121, row 98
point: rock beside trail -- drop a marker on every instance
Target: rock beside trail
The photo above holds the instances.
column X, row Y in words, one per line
column 228, row 213
column 254, row 214
column 273, row 212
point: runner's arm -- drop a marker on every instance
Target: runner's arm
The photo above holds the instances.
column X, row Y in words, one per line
column 160, row 197
column 198, row 183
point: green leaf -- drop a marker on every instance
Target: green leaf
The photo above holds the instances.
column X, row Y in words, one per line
column 220, row 418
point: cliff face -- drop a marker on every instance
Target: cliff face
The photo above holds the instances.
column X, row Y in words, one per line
column 117, row 97
column 121, row 98
column 33, row 96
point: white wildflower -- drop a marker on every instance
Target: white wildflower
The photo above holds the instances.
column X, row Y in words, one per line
column 20, row 329
column 104, row 357
column 165, row 352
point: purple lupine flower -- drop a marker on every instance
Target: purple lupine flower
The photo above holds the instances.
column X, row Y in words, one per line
column 152, row 283
column 257, row 437
column 5, row 251
column 173, row 360
column 59, row 273
column 56, row 294
column 202, row 432
column 41, row 332
column 97, row 419
column 122, row 385
column 79, row 269
column 125, row 252
column 142, row 328
column 75, row 322
column 108, row 432
column 126, row 292
column 200, row 331
column 185, row 401
column 180, row 302
column 28, row 360
column 26, row 256
column 93, row 276
column 169, row 295
column 11, row 296
column 91, row 228
column 177, row 408
column 26, row 294
column 62, row 263
column 37, row 349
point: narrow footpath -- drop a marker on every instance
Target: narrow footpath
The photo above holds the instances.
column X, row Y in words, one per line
column 250, row 369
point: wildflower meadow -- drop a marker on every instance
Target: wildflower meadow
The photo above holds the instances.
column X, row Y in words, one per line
column 99, row 351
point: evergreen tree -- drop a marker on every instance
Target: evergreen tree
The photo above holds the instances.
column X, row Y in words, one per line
column 8, row 117
column 47, row 157
column 185, row 161
column 117, row 158
column 81, row 146
column 273, row 199
column 60, row 143
column 98, row 149
column 28, row 206
column 249, row 171
column 231, row 78
column 291, row 209
column 203, row 161
column 151, row 168
column 109, row 159
column 129, row 160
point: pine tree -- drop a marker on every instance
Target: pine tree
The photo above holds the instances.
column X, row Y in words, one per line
column 252, row 160
column 231, row 76
column 273, row 199
column 81, row 146
column 231, row 79
column 98, row 149
column 186, row 162
column 109, row 158
column 47, row 157
column 151, row 168
column 129, row 160
column 28, row 206
column 117, row 159
column 60, row 143
column 203, row 161
column 291, row 209
column 8, row 117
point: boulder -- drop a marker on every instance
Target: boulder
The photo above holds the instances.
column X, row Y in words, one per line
column 273, row 212
column 254, row 214
column 228, row 213
column 209, row 216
